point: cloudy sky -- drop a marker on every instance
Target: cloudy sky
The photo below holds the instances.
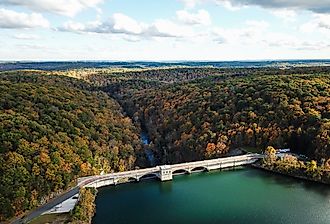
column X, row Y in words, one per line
column 164, row 29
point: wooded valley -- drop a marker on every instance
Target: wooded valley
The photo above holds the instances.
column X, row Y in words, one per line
column 59, row 125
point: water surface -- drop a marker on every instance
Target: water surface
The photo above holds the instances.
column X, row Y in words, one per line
column 240, row 196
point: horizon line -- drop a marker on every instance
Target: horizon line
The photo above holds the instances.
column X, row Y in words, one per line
column 162, row 61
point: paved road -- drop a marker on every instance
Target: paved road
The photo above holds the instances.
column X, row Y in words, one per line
column 38, row 211
column 86, row 180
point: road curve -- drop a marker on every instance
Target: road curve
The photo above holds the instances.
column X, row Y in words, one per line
column 86, row 180
column 38, row 211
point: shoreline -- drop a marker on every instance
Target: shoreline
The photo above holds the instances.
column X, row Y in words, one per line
column 305, row 178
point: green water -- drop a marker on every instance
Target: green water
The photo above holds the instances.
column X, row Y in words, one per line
column 240, row 196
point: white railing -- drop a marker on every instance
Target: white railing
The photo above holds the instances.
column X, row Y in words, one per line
column 188, row 165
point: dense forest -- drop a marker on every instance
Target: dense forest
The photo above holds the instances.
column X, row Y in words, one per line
column 51, row 132
column 189, row 119
column 59, row 125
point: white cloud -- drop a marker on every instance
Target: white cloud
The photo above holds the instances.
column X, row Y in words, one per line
column 24, row 36
column 229, row 5
column 14, row 20
column 202, row 17
column 285, row 14
column 320, row 22
column 191, row 3
column 257, row 24
column 73, row 27
column 273, row 39
column 188, row 27
column 166, row 28
column 257, row 34
column 320, row 6
column 313, row 46
column 118, row 23
column 308, row 27
column 32, row 46
column 292, row 42
column 62, row 7
column 122, row 24
column 253, row 32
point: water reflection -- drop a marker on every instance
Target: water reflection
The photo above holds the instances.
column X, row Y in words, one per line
column 166, row 187
column 289, row 182
column 245, row 196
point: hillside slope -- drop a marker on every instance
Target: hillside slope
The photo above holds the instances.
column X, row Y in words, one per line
column 51, row 132
column 204, row 118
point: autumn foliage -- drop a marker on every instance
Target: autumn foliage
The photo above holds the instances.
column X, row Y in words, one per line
column 188, row 120
column 59, row 125
column 53, row 130
column 84, row 210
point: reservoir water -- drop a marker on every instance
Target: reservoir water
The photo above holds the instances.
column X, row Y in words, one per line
column 240, row 196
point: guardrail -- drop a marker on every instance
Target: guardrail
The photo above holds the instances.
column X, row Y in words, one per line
column 188, row 165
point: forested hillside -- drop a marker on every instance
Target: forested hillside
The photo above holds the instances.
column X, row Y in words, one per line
column 204, row 118
column 56, row 126
column 51, row 132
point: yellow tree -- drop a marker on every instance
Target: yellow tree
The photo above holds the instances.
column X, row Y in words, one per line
column 270, row 152
column 288, row 162
column 311, row 167
column 270, row 156
column 327, row 165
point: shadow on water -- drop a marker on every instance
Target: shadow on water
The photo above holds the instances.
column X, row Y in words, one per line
column 288, row 182
column 166, row 187
column 233, row 196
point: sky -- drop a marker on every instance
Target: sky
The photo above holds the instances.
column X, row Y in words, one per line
column 162, row 30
